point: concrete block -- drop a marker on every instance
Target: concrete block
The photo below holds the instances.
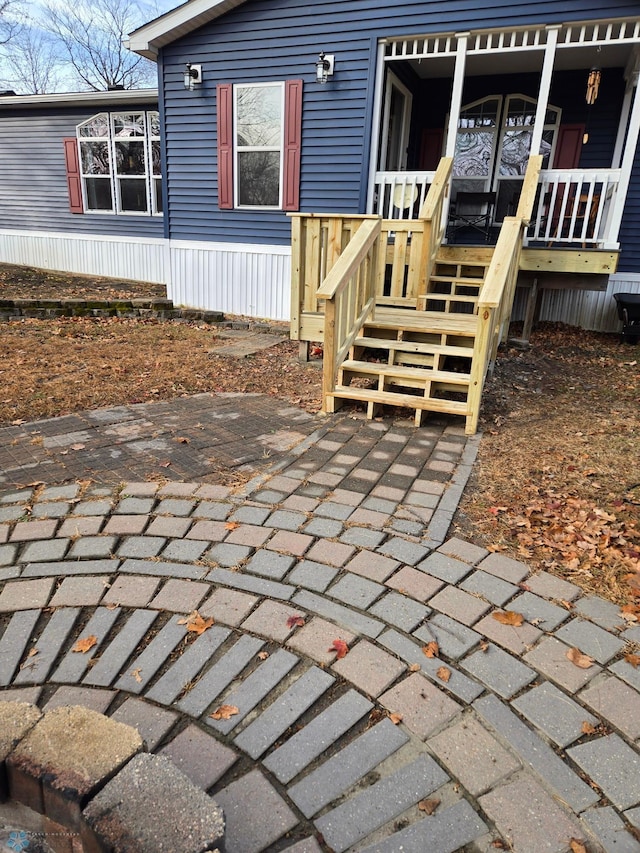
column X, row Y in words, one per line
column 554, row 713
column 183, row 817
column 16, row 720
column 502, row 673
column 65, row 758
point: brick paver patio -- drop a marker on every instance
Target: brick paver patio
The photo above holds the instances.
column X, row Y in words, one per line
column 337, row 543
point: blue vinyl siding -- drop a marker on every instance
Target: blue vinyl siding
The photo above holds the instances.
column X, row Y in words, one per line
column 268, row 40
column 33, row 190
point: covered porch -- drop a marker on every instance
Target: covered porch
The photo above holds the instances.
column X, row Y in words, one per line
column 412, row 299
column 490, row 99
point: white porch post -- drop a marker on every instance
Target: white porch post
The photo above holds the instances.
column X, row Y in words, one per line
column 454, row 114
column 545, row 88
column 626, row 166
column 375, row 125
column 633, row 66
column 456, row 94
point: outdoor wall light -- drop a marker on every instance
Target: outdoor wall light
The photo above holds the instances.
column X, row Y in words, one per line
column 325, row 66
column 192, row 76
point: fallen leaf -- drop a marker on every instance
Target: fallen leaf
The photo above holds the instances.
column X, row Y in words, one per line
column 429, row 806
column 566, row 604
column 181, row 439
column 577, row 846
column 18, row 422
column 166, row 464
column 509, row 617
column 339, row 647
column 85, row 643
column 232, row 525
column 579, row 658
column 395, row 718
column 634, row 660
column 499, row 845
column 111, row 606
column 444, row 674
column 587, row 728
column 136, row 674
column 415, row 667
column 32, row 653
column 196, row 623
column 263, row 655
column 295, row 621
column 77, row 446
column 225, row 712
column 484, row 646
column 431, row 650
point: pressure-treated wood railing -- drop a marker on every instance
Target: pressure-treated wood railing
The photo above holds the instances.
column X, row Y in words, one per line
column 349, row 295
column 495, row 300
column 407, row 249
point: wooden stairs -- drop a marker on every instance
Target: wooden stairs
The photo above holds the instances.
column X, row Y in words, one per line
column 419, row 357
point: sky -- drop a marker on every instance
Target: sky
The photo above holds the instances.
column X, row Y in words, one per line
column 63, row 79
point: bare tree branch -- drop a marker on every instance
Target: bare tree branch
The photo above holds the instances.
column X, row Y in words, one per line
column 91, row 33
column 32, row 62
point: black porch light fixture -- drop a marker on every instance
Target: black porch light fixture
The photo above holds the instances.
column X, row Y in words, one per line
column 325, row 66
column 192, row 76
column 593, row 85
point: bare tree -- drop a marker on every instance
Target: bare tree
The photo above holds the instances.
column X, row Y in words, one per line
column 91, row 33
column 9, row 20
column 32, row 62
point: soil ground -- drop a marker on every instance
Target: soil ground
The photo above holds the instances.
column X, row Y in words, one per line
column 557, row 483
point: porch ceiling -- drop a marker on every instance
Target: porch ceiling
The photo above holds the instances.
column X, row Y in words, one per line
column 520, row 61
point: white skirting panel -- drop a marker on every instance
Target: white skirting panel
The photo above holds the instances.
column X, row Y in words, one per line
column 139, row 259
column 248, row 279
column 237, row 278
column 594, row 310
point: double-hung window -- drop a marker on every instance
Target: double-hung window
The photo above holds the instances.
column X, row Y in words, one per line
column 259, row 141
column 119, row 163
column 258, row 133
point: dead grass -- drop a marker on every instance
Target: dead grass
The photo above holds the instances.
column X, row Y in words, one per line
column 54, row 367
column 557, row 482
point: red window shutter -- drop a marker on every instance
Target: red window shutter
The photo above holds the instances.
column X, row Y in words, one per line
column 225, row 145
column 74, row 180
column 292, row 144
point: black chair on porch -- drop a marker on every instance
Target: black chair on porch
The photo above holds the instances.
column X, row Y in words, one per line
column 471, row 212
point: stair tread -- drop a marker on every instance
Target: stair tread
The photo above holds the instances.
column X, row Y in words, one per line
column 424, row 321
column 389, row 398
column 412, row 346
column 402, row 370
column 467, row 282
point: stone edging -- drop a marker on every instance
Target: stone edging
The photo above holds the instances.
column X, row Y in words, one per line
column 156, row 308
column 91, row 779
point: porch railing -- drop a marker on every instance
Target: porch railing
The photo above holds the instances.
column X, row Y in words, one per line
column 574, row 207
column 349, row 295
column 400, row 195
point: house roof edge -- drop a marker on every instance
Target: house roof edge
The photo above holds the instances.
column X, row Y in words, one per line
column 70, row 99
column 148, row 39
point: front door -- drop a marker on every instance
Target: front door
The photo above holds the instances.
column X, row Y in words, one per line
column 396, row 122
column 493, row 144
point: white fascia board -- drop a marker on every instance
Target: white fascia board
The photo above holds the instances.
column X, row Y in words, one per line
column 72, row 99
column 147, row 40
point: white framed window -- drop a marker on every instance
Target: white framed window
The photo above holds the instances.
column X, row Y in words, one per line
column 258, row 133
column 119, row 157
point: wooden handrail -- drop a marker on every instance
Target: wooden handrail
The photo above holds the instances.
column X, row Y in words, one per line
column 349, row 261
column 438, row 189
column 529, row 189
column 508, row 240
